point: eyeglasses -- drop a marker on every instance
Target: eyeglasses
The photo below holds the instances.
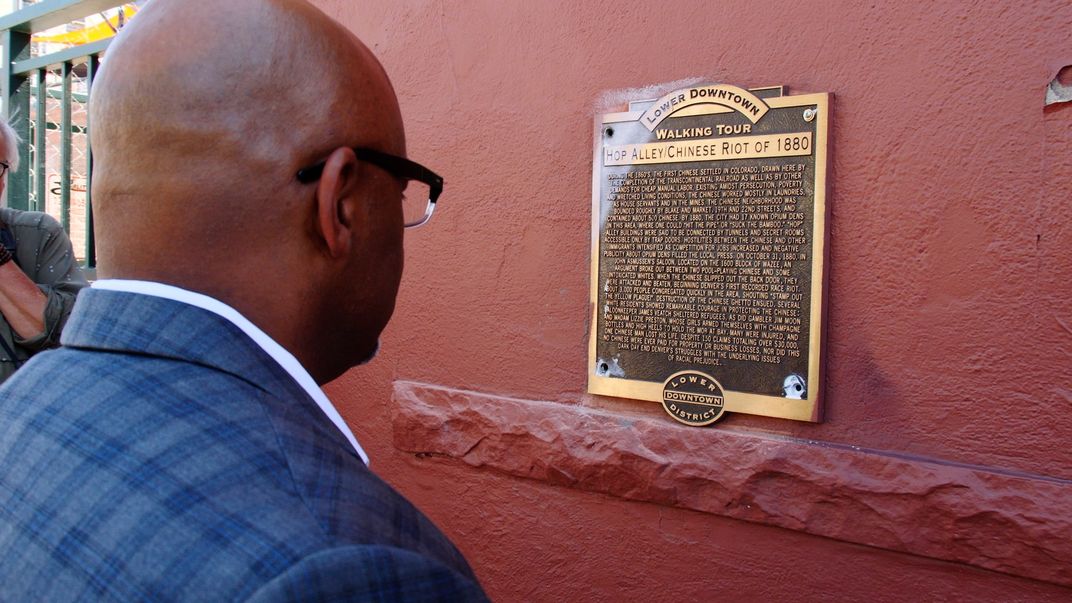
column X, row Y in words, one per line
column 415, row 212
column 4, row 167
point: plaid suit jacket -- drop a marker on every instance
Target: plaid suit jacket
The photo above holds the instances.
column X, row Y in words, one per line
column 162, row 455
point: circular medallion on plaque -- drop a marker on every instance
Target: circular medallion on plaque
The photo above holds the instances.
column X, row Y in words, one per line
column 693, row 398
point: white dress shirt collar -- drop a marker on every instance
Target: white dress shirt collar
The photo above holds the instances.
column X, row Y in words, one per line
column 285, row 359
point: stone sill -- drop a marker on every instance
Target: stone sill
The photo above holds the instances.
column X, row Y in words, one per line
column 1012, row 523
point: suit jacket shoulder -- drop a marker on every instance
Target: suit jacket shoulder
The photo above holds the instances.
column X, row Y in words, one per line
column 162, row 455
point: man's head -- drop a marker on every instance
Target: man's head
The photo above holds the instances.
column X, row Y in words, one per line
column 202, row 115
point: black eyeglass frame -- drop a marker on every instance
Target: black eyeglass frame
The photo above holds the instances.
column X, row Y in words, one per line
column 399, row 167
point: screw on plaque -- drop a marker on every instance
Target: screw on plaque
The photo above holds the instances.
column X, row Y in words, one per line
column 794, row 387
column 809, row 114
column 610, row 132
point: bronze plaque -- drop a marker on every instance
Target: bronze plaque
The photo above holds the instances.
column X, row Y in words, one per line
column 708, row 249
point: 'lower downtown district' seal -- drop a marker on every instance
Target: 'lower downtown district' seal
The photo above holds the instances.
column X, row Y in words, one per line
column 694, row 398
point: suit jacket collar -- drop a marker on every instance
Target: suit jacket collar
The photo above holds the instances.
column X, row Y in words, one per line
column 131, row 323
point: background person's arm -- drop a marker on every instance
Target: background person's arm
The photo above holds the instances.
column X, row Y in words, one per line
column 44, row 260
column 22, row 302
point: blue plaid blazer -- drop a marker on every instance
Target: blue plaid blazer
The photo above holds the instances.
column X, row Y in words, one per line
column 161, row 455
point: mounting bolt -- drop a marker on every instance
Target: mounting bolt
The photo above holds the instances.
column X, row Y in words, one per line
column 794, row 387
column 809, row 114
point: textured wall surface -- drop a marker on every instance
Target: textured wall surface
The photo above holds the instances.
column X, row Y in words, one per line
column 950, row 306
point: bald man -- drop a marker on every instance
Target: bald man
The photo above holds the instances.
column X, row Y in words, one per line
column 249, row 170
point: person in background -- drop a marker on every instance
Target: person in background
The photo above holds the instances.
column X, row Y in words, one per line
column 39, row 277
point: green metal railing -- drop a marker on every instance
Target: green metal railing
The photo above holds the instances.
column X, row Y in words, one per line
column 25, row 90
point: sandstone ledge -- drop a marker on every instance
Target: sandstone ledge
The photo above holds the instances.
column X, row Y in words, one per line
column 1011, row 523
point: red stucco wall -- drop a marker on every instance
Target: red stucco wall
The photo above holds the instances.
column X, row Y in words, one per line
column 950, row 292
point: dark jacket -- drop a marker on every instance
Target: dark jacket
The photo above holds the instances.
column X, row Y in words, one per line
column 43, row 252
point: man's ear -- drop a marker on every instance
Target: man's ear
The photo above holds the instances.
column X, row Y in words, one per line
column 334, row 209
